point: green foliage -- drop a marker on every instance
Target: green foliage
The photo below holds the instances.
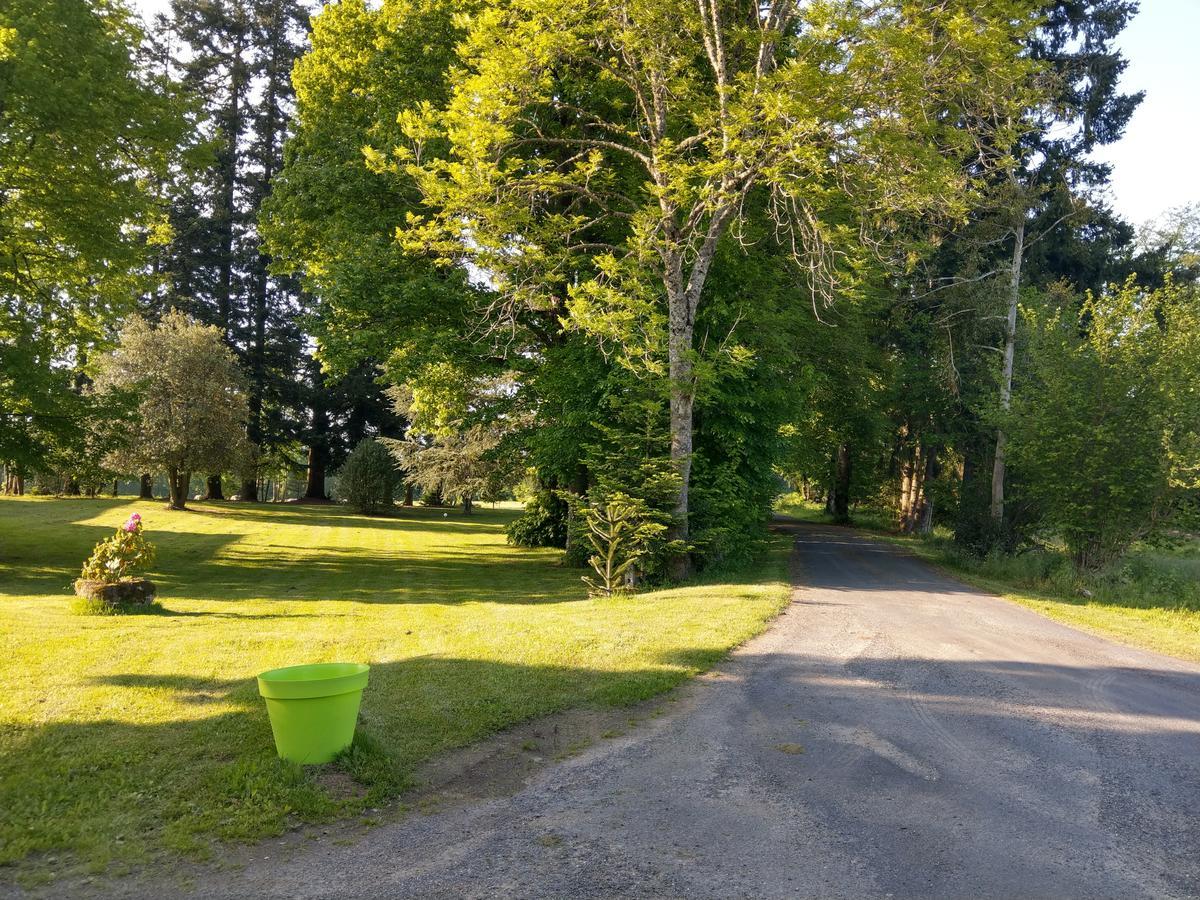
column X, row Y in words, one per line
column 562, row 165
column 629, row 457
column 85, row 133
column 543, row 523
column 450, row 450
column 1104, row 429
column 330, row 218
column 367, row 480
column 118, row 557
column 191, row 402
column 621, row 531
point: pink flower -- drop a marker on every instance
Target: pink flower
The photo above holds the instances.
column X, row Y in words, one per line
column 131, row 525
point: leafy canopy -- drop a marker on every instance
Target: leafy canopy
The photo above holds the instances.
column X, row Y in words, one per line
column 190, row 412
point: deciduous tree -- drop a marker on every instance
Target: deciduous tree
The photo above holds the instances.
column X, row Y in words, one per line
column 190, row 413
column 600, row 152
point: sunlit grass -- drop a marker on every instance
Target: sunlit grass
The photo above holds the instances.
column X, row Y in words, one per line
column 123, row 735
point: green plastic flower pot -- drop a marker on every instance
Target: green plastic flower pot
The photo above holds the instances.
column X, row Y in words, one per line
column 313, row 708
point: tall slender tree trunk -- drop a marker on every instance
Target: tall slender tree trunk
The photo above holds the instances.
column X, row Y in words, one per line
column 924, row 517
column 318, row 440
column 840, row 504
column 408, row 493
column 229, row 172
column 679, row 352
column 906, row 483
column 146, row 487
column 999, row 465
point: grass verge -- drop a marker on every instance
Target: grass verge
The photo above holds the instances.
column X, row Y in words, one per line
column 122, row 736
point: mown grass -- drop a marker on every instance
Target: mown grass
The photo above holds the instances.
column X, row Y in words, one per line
column 1149, row 599
column 121, row 736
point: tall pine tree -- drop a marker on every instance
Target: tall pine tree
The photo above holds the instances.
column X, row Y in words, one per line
column 237, row 57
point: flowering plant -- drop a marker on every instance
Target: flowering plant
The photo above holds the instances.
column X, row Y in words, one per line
column 116, row 558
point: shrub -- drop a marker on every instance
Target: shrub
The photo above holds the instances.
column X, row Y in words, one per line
column 542, row 524
column 1103, row 431
column 367, row 480
column 116, row 558
column 621, row 531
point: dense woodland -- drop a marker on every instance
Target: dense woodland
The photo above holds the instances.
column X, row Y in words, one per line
column 671, row 259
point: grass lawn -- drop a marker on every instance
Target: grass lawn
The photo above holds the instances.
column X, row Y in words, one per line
column 121, row 736
column 1152, row 600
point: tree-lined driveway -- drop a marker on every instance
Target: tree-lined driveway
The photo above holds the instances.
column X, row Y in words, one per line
column 894, row 734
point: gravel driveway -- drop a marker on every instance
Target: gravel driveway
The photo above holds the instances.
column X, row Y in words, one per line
column 893, row 734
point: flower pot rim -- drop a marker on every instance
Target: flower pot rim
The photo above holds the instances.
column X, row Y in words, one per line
column 312, row 680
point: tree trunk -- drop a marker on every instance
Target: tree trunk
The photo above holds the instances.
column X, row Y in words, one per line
column 227, row 158
column 916, row 489
column 579, row 487
column 250, row 489
column 318, row 443
column 314, row 486
column 178, row 489
column 467, row 504
column 116, row 488
column 146, row 487
column 679, row 353
column 924, row 518
column 906, row 480
column 841, row 485
column 213, row 488
column 408, row 493
column 1006, row 377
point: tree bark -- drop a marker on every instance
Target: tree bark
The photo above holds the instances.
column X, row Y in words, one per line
column 178, row 489
column 314, row 487
column 924, row 518
column 841, row 485
column 408, row 493
column 116, row 488
column 906, row 480
column 249, row 491
column 146, row 487
column 318, row 442
column 679, row 353
column 468, row 504
column 999, row 466
column 213, row 488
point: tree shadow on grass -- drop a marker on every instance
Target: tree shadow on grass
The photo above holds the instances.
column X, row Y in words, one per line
column 450, row 521
column 363, row 577
column 216, row 567
column 107, row 789
column 33, row 564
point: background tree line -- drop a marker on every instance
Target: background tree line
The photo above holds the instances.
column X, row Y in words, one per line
column 684, row 254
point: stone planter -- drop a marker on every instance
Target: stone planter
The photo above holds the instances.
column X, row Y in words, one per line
column 96, row 596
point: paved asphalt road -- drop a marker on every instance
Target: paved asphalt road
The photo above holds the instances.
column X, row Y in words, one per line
column 894, row 734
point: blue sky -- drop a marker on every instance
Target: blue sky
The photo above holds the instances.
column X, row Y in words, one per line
column 1157, row 164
